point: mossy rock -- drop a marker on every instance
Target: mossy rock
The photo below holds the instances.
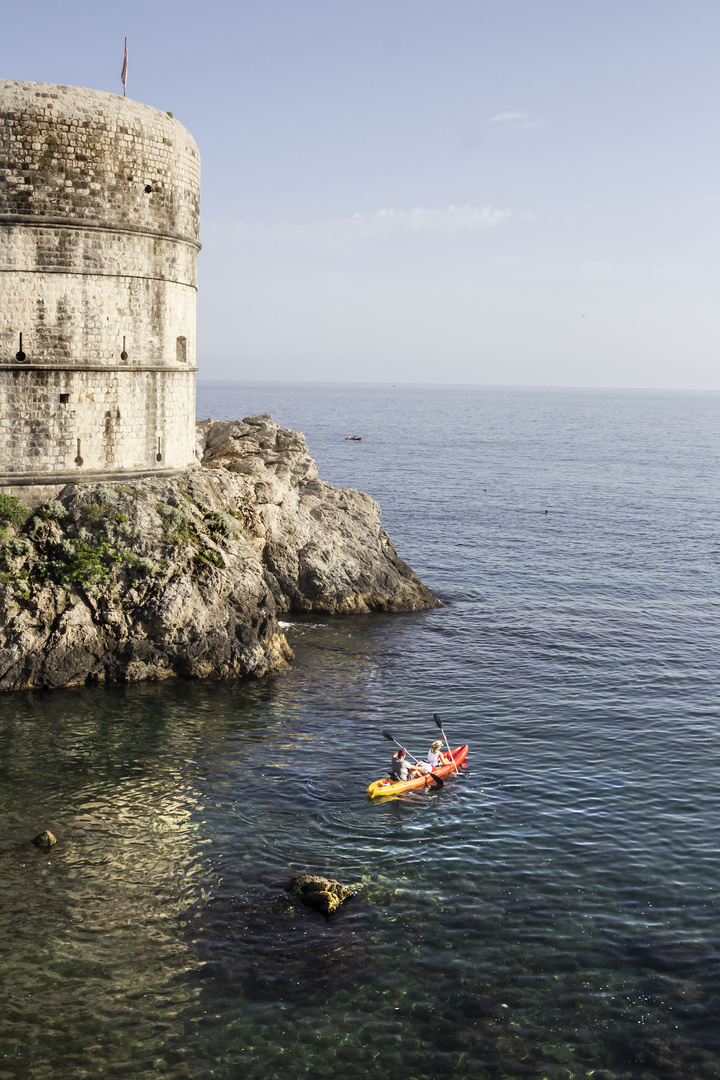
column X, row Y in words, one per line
column 322, row 894
column 45, row 839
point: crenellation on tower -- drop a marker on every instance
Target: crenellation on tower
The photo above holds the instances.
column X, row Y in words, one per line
column 99, row 223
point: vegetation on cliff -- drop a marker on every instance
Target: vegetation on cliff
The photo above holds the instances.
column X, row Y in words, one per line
column 187, row 576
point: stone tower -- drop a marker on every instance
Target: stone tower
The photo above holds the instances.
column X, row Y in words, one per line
column 99, row 214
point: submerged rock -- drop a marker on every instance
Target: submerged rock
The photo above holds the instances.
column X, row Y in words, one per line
column 322, row 894
column 262, row 941
column 160, row 578
column 44, row 839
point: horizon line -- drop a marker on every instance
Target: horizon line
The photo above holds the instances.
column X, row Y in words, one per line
column 484, row 386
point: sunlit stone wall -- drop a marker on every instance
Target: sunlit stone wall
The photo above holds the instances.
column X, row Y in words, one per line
column 99, row 217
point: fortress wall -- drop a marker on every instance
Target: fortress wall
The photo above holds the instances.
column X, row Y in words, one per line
column 83, row 155
column 99, row 214
column 83, row 320
column 55, row 249
column 122, row 420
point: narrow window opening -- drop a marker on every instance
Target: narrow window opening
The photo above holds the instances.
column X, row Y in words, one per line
column 78, row 460
column 181, row 350
column 20, row 355
column 158, row 456
column 64, row 399
column 123, row 354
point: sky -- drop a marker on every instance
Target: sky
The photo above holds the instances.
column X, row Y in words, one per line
column 515, row 192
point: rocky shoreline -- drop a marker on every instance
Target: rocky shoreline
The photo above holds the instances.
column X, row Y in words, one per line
column 187, row 577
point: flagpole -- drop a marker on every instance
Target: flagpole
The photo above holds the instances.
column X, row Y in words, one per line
column 123, row 75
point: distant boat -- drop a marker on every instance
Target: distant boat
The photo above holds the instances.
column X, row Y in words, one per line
column 353, row 438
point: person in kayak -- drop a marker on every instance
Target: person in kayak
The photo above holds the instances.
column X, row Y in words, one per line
column 401, row 768
column 436, row 756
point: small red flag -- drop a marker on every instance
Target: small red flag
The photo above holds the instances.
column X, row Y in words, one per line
column 123, row 73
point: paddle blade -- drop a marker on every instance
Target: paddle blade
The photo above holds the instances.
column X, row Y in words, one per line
column 386, row 735
column 438, row 782
column 438, row 721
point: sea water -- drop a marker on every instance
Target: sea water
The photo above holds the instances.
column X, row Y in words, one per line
column 552, row 912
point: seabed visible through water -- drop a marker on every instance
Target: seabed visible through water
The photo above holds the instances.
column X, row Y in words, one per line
column 551, row 913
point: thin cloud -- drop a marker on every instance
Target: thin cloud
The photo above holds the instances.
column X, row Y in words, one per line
column 503, row 117
column 454, row 219
column 517, row 121
column 381, row 224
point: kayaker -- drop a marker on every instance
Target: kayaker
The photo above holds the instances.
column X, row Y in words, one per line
column 401, row 769
column 436, row 756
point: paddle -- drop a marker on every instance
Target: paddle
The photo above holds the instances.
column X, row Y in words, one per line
column 438, row 721
column 386, row 735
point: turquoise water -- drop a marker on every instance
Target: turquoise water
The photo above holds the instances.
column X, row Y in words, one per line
column 552, row 913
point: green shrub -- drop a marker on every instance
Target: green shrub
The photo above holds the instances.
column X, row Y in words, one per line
column 81, row 563
column 219, row 524
column 174, row 524
column 12, row 510
column 106, row 496
column 107, row 530
column 172, row 516
column 20, row 586
column 13, row 551
column 93, row 511
column 19, row 546
column 207, row 555
column 53, row 511
column 140, row 565
column 89, row 567
column 101, row 508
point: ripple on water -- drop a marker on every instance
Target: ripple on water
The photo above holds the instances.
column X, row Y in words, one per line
column 552, row 913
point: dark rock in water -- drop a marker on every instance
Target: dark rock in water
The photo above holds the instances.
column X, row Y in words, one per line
column 44, row 839
column 322, row 894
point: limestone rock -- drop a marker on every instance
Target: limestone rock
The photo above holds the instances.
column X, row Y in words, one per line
column 159, row 578
column 44, row 839
column 322, row 547
column 322, row 894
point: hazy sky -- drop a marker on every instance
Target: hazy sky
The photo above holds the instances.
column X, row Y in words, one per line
column 515, row 191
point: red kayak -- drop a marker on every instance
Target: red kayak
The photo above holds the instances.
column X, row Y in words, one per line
column 386, row 786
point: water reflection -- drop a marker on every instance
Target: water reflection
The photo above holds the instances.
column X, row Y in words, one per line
column 93, row 962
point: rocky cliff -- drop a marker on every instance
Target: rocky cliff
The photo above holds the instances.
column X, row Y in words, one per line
column 188, row 576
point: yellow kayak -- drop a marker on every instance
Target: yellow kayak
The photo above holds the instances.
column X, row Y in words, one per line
column 386, row 786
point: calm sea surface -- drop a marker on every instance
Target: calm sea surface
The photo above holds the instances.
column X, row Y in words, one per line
column 554, row 912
